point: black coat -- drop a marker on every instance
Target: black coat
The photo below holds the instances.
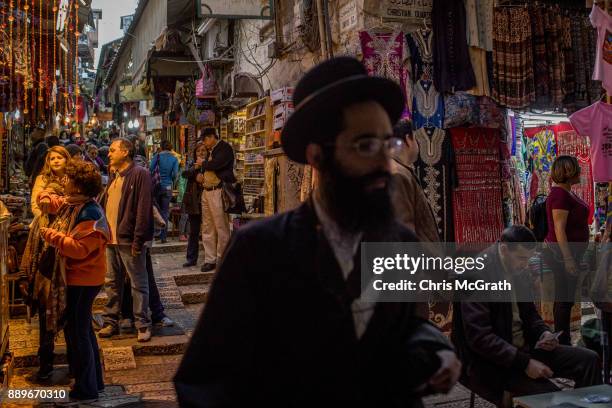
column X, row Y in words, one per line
column 193, row 192
column 482, row 333
column 277, row 329
column 222, row 162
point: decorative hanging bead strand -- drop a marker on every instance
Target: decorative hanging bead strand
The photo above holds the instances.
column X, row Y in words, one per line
column 26, row 108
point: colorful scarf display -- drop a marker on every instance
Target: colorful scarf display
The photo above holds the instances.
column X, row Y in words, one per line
column 477, row 199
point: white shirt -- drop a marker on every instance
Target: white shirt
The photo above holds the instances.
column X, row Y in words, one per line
column 344, row 246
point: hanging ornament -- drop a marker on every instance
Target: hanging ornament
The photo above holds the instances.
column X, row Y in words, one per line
column 26, row 109
column 77, row 89
column 41, row 83
column 55, row 8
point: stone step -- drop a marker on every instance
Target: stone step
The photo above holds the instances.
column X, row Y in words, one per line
column 195, row 278
column 157, row 346
column 194, row 294
column 169, row 247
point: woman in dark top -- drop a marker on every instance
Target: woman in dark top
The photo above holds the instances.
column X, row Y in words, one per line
column 568, row 235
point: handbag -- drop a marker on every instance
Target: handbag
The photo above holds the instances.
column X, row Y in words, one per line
column 155, row 176
column 206, row 87
column 233, row 200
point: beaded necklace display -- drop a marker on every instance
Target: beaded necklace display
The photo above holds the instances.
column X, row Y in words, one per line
column 77, row 90
column 11, row 19
column 26, row 109
column 54, row 58
column 41, row 82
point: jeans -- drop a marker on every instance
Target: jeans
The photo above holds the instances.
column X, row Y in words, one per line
column 81, row 341
column 120, row 262
column 155, row 304
column 184, row 224
column 162, row 198
column 193, row 244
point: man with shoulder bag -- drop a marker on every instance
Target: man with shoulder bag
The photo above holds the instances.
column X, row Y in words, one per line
column 215, row 171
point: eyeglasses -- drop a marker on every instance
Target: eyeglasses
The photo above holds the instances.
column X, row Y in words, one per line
column 371, row 146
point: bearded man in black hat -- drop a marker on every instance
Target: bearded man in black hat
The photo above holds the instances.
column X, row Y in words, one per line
column 284, row 324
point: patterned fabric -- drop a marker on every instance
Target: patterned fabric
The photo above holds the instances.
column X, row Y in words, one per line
column 427, row 103
column 479, row 14
column 460, row 110
column 601, row 200
column 540, row 66
column 454, row 70
column 477, row 199
column 383, row 55
column 570, row 143
column 513, row 78
column 541, row 152
column 554, row 53
column 570, row 69
column 435, row 171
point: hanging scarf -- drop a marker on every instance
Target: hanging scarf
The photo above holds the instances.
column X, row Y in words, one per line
column 52, row 292
column 33, row 248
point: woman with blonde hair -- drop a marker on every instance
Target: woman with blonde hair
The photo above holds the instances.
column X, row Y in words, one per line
column 33, row 285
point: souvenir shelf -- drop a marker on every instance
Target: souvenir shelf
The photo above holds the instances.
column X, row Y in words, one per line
column 236, row 127
column 258, row 128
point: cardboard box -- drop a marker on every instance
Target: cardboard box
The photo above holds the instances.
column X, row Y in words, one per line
column 282, row 95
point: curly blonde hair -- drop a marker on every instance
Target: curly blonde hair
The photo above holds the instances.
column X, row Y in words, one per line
column 46, row 173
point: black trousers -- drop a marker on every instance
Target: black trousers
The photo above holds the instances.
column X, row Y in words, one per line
column 81, row 340
column 155, row 304
column 45, row 342
column 565, row 288
column 579, row 364
column 193, row 244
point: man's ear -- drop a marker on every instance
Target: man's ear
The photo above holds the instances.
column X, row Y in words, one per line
column 314, row 155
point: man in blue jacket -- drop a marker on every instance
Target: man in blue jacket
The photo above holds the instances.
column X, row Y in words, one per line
column 168, row 167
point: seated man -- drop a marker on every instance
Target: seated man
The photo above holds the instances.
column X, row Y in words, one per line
column 506, row 346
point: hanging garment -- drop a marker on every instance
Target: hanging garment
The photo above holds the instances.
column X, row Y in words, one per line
column 540, row 60
column 479, row 17
column 541, row 152
column 554, row 54
column 590, row 39
column 478, row 57
column 435, row 171
column 596, row 122
column 383, row 55
column 569, row 86
column 427, row 103
column 603, row 59
column 477, row 198
column 453, row 67
column 513, row 79
column 571, row 144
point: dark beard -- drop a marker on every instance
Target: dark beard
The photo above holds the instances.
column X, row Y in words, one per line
column 352, row 207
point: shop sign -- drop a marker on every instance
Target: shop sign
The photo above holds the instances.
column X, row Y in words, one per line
column 348, row 16
column 155, row 122
column 406, row 9
column 235, row 9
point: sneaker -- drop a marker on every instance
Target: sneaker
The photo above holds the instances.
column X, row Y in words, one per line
column 189, row 264
column 207, row 267
column 144, row 334
column 183, row 238
column 108, row 331
column 126, row 324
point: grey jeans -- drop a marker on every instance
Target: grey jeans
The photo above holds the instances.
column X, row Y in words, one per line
column 135, row 266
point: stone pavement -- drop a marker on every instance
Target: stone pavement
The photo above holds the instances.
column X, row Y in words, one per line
column 135, row 373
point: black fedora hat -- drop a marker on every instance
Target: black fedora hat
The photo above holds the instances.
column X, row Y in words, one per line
column 326, row 89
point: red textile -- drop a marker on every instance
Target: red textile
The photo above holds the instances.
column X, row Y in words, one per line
column 477, row 200
column 572, row 144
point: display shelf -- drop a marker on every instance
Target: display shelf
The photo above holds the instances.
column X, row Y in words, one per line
column 254, row 148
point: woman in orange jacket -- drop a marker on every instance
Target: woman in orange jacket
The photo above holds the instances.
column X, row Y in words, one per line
column 79, row 235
